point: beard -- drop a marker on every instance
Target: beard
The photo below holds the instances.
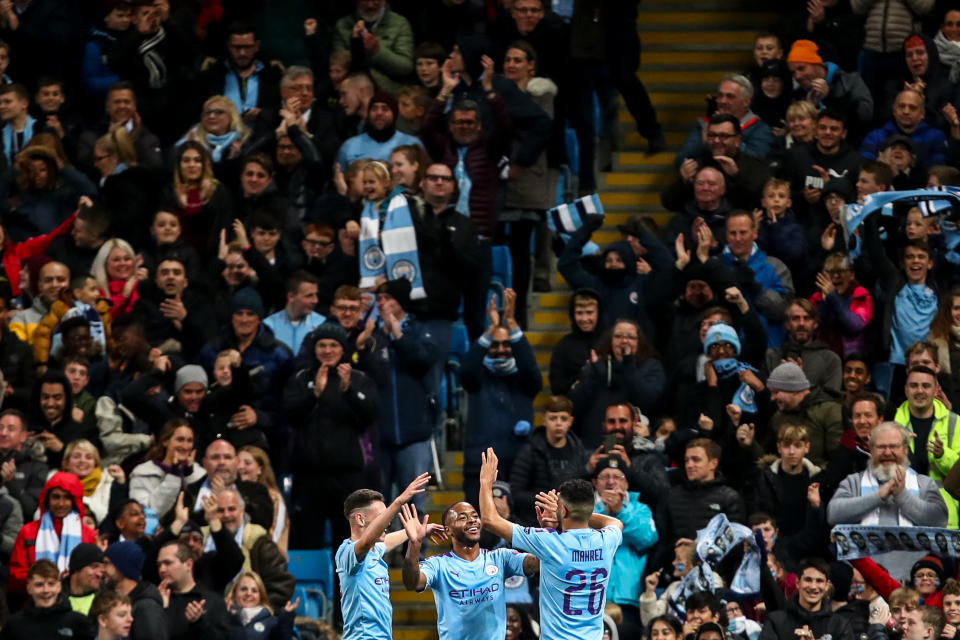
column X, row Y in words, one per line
column 884, row 471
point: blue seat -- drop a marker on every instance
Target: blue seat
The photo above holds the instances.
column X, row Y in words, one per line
column 313, row 569
column 502, row 266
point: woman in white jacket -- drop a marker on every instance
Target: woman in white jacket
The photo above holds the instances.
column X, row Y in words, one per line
column 82, row 459
column 170, row 466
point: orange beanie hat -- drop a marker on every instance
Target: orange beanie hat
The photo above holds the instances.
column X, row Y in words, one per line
column 805, row 51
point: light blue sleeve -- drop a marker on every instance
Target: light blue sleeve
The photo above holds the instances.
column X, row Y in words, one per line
column 511, row 562
column 612, row 538
column 431, row 569
column 346, row 559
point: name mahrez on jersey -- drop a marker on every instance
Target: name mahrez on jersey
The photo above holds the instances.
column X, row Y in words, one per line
column 588, row 555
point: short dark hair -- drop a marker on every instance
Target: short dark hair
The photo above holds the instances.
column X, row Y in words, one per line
column 831, row 113
column 43, row 568
column 121, row 85
column 579, row 497
column 298, row 277
column 430, row 50
column 558, row 404
column 819, row 564
column 15, row 87
column 920, row 244
column 70, row 324
column 264, row 219
column 80, row 360
column 922, row 369
column 261, row 159
column 720, row 118
column 711, row 448
column 702, row 599
column 49, row 81
column 79, row 280
column 96, row 219
column 882, row 174
column 17, row 414
column 241, row 28
column 126, row 322
column 465, row 105
column 360, row 499
column 759, row 517
column 869, row 396
column 183, row 552
column 527, row 49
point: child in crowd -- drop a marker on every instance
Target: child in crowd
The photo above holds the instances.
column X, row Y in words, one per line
column 412, row 102
column 83, row 302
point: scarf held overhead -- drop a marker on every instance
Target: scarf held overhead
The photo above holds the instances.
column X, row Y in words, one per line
column 858, row 541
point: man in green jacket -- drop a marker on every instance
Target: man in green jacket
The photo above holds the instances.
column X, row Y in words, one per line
column 936, row 447
column 385, row 38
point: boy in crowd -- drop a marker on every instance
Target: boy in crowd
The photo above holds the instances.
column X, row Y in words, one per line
column 551, row 457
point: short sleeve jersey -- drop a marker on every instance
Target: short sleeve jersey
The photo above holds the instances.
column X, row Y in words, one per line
column 574, row 569
column 470, row 595
column 364, row 593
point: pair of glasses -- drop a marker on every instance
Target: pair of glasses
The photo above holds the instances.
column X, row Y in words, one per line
column 436, row 178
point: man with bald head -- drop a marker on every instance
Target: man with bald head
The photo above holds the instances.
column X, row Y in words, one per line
column 52, row 279
column 457, row 579
column 929, row 143
column 260, row 552
column 220, row 463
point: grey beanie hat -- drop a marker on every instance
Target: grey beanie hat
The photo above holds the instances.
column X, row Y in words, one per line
column 190, row 373
column 788, row 377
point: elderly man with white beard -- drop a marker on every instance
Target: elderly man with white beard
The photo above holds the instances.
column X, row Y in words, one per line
column 889, row 493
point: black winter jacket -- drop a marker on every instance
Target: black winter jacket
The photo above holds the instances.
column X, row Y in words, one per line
column 782, row 624
column 149, row 620
column 536, row 468
column 573, row 350
column 58, row 621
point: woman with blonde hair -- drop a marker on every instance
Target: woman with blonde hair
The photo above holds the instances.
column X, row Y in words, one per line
column 113, row 153
column 202, row 202
column 82, row 459
column 221, row 129
column 118, row 271
column 250, row 614
column 253, row 465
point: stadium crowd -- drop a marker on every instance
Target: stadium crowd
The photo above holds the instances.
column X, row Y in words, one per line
column 240, row 241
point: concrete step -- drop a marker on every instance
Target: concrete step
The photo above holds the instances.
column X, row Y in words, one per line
column 414, row 613
column 706, row 20
column 415, row 632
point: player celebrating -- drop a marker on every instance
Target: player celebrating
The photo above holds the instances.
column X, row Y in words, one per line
column 467, row 584
column 574, row 564
column 364, row 576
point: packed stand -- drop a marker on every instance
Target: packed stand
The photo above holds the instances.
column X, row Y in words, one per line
column 240, row 242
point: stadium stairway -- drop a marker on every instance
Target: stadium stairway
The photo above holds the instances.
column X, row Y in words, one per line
column 688, row 45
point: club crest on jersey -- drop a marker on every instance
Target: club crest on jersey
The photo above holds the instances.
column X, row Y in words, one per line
column 492, row 570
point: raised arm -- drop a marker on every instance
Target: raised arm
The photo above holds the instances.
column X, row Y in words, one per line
column 413, row 579
column 372, row 532
column 492, row 521
column 599, row 521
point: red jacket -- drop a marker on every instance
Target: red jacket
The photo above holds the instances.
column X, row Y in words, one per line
column 14, row 254
column 880, row 580
column 24, row 549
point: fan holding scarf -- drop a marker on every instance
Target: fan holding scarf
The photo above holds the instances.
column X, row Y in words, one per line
column 55, row 535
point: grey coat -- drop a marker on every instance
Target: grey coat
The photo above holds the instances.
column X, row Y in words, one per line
column 924, row 510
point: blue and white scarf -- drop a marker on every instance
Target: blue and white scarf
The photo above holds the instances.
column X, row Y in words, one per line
column 931, row 202
column 700, row 578
column 220, row 144
column 721, row 536
column 567, row 218
column 57, row 549
column 10, row 143
column 464, row 183
column 244, row 101
column 744, row 396
column 392, row 252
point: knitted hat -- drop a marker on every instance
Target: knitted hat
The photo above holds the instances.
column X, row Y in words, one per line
column 84, row 555
column 914, row 42
column 774, row 68
column 805, row 51
column 721, row 333
column 331, row 331
column 926, row 562
column 247, row 298
column 502, row 489
column 190, row 373
column 609, row 462
column 788, row 377
column 128, row 558
column 840, row 186
column 398, row 289
column 387, row 98
column 898, row 139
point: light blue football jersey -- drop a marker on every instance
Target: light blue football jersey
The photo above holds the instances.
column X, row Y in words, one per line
column 470, row 596
column 364, row 593
column 574, row 568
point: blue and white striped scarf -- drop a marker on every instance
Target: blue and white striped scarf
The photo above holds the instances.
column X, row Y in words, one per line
column 744, row 396
column 57, row 549
column 392, row 252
